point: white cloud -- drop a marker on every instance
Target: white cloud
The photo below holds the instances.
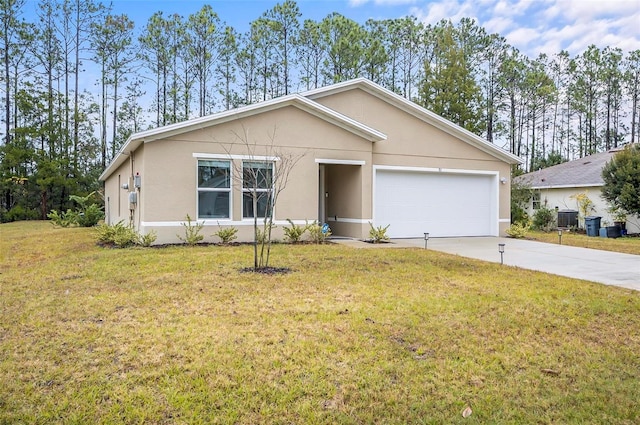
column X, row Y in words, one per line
column 498, row 25
column 447, row 9
column 356, row 3
column 522, row 37
column 587, row 10
column 541, row 26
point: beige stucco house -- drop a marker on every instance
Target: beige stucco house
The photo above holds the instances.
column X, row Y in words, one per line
column 366, row 154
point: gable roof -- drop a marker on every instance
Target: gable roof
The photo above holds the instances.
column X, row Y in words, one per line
column 295, row 100
column 305, row 101
column 583, row 172
column 417, row 111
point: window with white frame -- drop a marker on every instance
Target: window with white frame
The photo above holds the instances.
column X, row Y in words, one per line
column 257, row 178
column 535, row 200
column 214, row 189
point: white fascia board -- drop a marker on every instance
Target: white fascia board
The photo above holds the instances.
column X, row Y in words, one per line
column 418, row 112
column 567, row 186
column 341, row 120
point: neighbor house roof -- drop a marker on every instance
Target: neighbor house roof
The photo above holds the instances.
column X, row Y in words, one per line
column 583, row 172
column 305, row 101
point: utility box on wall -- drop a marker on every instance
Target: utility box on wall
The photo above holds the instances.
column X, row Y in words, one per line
column 133, row 198
column 137, row 181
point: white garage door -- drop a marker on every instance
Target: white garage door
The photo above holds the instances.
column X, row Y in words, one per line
column 443, row 204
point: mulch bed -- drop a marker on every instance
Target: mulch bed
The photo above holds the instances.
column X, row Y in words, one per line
column 267, row 270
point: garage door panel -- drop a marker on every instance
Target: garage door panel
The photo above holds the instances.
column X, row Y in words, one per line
column 442, row 204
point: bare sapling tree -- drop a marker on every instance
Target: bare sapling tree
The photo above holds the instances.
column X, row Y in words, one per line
column 263, row 174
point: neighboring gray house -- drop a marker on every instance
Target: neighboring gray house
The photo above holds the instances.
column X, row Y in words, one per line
column 557, row 187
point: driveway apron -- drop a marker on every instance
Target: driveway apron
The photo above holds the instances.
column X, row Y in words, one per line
column 610, row 268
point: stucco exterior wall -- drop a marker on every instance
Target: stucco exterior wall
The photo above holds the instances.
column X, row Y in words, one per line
column 562, row 199
column 170, row 179
column 117, row 207
column 411, row 142
column 168, row 166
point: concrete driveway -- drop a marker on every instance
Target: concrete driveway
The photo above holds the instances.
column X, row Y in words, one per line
column 610, row 268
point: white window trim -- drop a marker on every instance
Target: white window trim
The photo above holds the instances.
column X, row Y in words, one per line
column 249, row 190
column 536, row 200
column 229, row 189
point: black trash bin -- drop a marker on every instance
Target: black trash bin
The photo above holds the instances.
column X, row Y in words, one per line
column 592, row 223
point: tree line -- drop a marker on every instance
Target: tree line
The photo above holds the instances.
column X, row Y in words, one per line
column 78, row 80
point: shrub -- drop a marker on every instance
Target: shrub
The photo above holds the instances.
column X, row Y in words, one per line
column 294, row 233
column 90, row 216
column 63, row 219
column 518, row 230
column 119, row 235
column 585, row 204
column 147, row 239
column 544, row 219
column 18, row 213
column 226, row 235
column 378, row 234
column 191, row 232
column 85, row 215
column 317, row 232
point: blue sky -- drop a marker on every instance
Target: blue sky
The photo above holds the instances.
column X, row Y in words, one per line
column 533, row 26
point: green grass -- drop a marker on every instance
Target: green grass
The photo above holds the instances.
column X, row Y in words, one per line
column 627, row 245
column 179, row 335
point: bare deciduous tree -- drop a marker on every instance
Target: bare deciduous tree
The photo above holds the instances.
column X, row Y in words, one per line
column 263, row 174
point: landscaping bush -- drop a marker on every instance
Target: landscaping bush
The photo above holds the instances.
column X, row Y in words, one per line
column 544, row 219
column 63, row 219
column 518, row 230
column 294, row 233
column 191, row 232
column 147, row 239
column 118, row 235
column 227, row 234
column 85, row 215
column 19, row 213
column 317, row 234
column 378, row 234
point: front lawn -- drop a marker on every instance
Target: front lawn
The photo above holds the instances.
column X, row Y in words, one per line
column 180, row 335
column 627, row 245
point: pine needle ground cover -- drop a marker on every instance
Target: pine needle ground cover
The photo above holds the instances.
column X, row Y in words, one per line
column 180, row 335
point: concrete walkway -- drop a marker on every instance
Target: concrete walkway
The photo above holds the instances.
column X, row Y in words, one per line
column 606, row 267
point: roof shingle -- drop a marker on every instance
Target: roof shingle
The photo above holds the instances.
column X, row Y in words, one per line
column 583, row 172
